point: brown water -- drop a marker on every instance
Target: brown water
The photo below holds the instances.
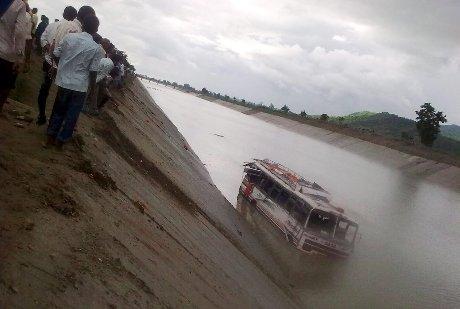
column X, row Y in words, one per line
column 409, row 253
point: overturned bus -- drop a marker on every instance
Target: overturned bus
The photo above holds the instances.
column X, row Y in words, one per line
column 300, row 209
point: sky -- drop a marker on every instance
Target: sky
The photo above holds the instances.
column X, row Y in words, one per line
column 321, row 56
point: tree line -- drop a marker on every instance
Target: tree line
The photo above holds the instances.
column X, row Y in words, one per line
column 428, row 121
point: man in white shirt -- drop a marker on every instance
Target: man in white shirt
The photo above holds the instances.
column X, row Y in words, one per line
column 52, row 36
column 47, row 41
column 105, row 67
column 13, row 24
column 93, row 103
column 79, row 57
column 34, row 20
column 74, row 26
column 103, row 78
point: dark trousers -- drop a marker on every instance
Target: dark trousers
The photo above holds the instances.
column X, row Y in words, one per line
column 44, row 90
column 102, row 95
column 3, row 97
column 7, row 80
column 66, row 111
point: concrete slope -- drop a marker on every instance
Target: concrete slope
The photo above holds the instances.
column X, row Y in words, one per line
column 125, row 217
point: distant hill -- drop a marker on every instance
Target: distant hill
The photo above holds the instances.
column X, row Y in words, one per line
column 397, row 127
column 357, row 116
column 451, row 131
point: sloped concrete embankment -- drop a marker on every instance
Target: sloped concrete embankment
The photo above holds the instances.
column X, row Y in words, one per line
column 132, row 221
column 440, row 173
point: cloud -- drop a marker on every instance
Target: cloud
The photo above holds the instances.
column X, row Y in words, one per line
column 339, row 38
column 329, row 56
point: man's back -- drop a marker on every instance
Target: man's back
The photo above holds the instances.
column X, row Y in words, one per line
column 63, row 28
column 78, row 55
column 46, row 38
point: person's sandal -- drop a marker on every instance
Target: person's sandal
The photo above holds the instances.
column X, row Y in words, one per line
column 41, row 121
column 50, row 141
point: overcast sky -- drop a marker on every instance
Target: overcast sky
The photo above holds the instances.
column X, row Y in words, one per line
column 324, row 56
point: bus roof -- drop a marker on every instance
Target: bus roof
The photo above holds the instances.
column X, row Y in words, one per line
column 310, row 192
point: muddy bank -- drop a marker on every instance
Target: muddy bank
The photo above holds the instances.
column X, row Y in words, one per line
column 440, row 173
column 126, row 216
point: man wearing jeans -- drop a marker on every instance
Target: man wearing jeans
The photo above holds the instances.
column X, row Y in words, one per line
column 47, row 41
column 79, row 57
column 51, row 38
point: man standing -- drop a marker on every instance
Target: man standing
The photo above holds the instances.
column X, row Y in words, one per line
column 47, row 42
column 70, row 24
column 40, row 29
column 79, row 57
column 75, row 26
column 13, row 25
column 29, row 39
column 34, row 21
column 105, row 66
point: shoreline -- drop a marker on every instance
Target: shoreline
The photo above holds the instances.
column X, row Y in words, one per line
column 408, row 159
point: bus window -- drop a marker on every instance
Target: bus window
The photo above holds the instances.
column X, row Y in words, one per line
column 275, row 192
column 346, row 231
column 299, row 213
column 266, row 184
column 291, row 203
column 254, row 178
column 307, row 208
column 282, row 198
column 322, row 222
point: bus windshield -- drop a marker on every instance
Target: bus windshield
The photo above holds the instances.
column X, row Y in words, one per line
column 322, row 223
column 346, row 231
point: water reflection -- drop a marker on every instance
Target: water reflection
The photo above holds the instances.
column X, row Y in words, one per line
column 408, row 255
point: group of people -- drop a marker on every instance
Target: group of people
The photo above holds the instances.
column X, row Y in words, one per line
column 75, row 57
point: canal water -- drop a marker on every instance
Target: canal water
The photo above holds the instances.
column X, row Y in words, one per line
column 409, row 251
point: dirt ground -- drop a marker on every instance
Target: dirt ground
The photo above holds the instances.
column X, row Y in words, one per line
column 125, row 216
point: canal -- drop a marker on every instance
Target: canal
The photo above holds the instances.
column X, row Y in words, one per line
column 409, row 252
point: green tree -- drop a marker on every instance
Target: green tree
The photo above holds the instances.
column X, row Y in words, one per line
column 303, row 114
column 324, row 117
column 204, row 91
column 428, row 124
column 407, row 137
column 285, row 109
column 271, row 107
